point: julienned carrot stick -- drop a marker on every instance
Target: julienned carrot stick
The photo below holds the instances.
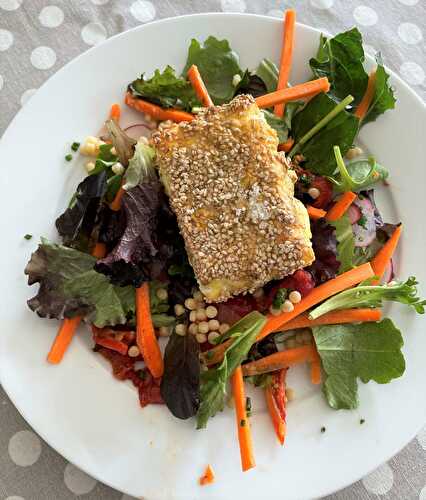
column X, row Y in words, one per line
column 161, row 114
column 198, row 85
column 113, row 344
column 301, row 91
column 340, row 207
column 145, row 333
column 69, row 325
column 208, row 476
column 384, row 255
column 287, row 145
column 215, row 355
column 286, row 55
column 279, row 360
column 333, row 318
column 99, row 251
column 317, row 295
column 275, row 401
column 116, row 202
column 316, row 368
column 243, row 425
column 368, row 97
column 315, row 213
column 63, row 339
column 115, row 112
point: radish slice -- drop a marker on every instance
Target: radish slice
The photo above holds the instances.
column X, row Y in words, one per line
column 138, row 130
column 364, row 233
column 388, row 275
column 354, row 214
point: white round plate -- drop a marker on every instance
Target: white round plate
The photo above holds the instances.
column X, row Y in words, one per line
column 95, row 421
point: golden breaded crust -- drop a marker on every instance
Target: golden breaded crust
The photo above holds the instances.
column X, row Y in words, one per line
column 233, row 196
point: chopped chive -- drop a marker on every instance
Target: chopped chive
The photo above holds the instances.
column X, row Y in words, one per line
column 322, row 123
column 362, row 421
column 75, row 146
column 28, row 236
column 323, row 429
column 68, row 157
column 243, row 423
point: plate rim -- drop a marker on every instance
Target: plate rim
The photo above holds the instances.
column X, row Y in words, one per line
column 421, row 109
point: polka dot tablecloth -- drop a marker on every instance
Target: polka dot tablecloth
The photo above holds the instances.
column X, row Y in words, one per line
column 37, row 37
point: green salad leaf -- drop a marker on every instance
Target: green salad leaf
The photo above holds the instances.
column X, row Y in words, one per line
column 340, row 131
column 218, row 64
column 369, row 351
column 282, row 125
column 166, row 89
column 384, row 98
column 341, row 59
column 69, row 287
column 268, row 72
column 213, row 382
column 366, row 295
column 141, row 165
column 159, row 307
column 345, row 243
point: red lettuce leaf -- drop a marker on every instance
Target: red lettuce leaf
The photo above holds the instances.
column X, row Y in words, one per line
column 76, row 224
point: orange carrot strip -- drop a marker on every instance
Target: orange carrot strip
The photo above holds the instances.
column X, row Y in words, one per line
column 69, row 325
column 208, row 476
column 116, row 202
column 215, row 355
column 340, row 207
column 271, row 395
column 161, row 114
column 286, row 55
column 198, row 85
column 317, row 295
column 113, row 344
column 287, row 145
column 384, row 255
column 99, row 251
column 243, row 425
column 315, row 213
column 333, row 318
column 63, row 339
column 279, row 360
column 145, row 333
column 115, row 112
column 367, row 99
column 316, row 368
column 300, row 91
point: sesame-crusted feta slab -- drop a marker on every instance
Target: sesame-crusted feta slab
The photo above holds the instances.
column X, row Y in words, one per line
column 233, row 195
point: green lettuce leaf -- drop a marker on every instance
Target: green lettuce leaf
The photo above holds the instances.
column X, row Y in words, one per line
column 218, row 64
column 341, row 59
column 268, row 72
column 366, row 295
column 384, row 98
column 213, row 382
column 282, row 125
column 340, row 131
column 369, row 351
column 345, row 243
column 69, row 287
column 141, row 165
column 166, row 89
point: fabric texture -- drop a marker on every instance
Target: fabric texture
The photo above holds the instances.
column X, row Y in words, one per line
column 37, row 37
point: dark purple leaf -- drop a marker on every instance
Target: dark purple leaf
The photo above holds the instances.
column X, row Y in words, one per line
column 324, row 243
column 76, row 224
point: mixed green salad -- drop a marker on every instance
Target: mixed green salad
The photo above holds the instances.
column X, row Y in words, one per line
column 121, row 266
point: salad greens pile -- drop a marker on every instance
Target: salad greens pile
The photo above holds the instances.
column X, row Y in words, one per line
column 143, row 243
